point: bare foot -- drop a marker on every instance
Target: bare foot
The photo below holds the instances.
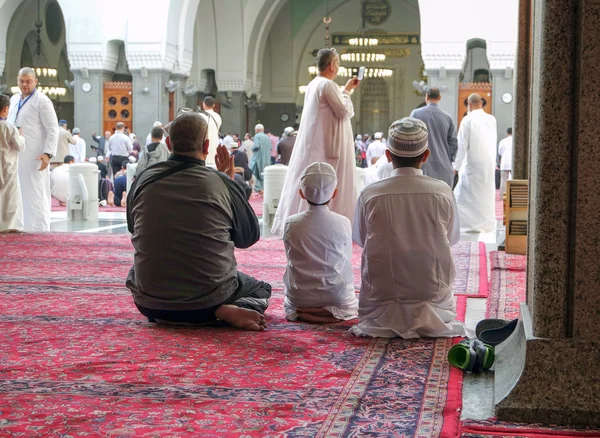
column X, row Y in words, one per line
column 124, row 199
column 308, row 317
column 244, row 319
column 62, row 204
column 320, row 311
column 111, row 199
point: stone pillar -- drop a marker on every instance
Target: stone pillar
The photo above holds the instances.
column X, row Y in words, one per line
column 150, row 100
column 89, row 104
column 233, row 111
column 521, row 94
column 502, row 83
column 547, row 371
column 447, row 82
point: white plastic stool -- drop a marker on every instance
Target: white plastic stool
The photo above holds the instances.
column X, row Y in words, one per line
column 82, row 192
column 273, row 179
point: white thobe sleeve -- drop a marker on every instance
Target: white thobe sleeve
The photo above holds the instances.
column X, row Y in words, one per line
column 454, row 229
column 340, row 102
column 16, row 141
column 463, row 143
column 358, row 227
column 50, row 124
column 129, row 144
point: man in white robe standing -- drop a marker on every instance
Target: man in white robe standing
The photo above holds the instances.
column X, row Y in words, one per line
column 77, row 151
column 476, row 166
column 34, row 113
column 325, row 135
column 214, row 125
column 376, row 149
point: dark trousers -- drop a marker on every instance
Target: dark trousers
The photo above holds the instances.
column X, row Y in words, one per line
column 251, row 294
column 115, row 163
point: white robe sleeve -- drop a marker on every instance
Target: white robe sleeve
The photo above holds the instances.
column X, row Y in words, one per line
column 50, row 124
column 463, row 143
column 340, row 102
column 454, row 229
column 16, row 141
column 358, row 228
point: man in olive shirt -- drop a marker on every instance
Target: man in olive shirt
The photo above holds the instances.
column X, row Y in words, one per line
column 186, row 219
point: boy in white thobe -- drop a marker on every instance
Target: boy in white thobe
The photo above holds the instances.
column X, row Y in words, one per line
column 11, row 143
column 406, row 225
column 318, row 279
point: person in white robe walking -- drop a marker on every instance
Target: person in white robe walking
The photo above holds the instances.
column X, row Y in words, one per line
column 77, row 151
column 34, row 113
column 476, row 166
column 505, row 151
column 11, row 143
column 406, row 225
column 325, row 135
column 319, row 283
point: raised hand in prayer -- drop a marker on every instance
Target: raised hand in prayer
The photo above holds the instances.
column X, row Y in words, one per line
column 225, row 162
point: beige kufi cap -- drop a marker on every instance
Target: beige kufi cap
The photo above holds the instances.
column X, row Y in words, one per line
column 408, row 137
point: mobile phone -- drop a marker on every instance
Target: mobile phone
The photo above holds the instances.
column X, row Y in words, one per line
column 361, row 73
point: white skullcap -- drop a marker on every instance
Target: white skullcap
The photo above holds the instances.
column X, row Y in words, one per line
column 157, row 123
column 358, row 137
column 132, row 135
column 378, row 135
column 131, row 159
column 234, row 144
column 318, row 182
column 100, row 158
column 259, row 126
column 408, row 137
column 288, row 130
column 92, row 160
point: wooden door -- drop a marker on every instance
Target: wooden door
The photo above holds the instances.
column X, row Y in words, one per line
column 484, row 89
column 118, row 105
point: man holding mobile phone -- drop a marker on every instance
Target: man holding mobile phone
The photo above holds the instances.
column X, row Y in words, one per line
column 325, row 135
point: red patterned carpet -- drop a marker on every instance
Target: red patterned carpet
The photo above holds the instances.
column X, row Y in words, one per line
column 507, row 291
column 78, row 359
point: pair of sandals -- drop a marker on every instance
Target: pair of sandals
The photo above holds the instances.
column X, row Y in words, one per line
column 478, row 355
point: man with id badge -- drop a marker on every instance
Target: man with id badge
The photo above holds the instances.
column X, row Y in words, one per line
column 33, row 112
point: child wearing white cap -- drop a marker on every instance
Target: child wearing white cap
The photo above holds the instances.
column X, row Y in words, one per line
column 406, row 225
column 318, row 279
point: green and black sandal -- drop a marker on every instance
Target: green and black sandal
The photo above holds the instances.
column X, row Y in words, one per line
column 474, row 356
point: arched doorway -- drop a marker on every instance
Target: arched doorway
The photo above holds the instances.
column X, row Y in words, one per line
column 46, row 53
column 374, row 106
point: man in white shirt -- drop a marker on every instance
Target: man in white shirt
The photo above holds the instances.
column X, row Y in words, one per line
column 214, row 125
column 505, row 149
column 406, row 225
column 59, row 180
column 77, row 150
column 119, row 147
column 319, row 283
column 376, row 149
column 382, row 169
column 475, row 163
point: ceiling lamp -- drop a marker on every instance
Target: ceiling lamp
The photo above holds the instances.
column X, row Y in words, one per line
column 363, row 42
column 44, row 72
column 51, row 91
column 363, row 57
column 369, row 72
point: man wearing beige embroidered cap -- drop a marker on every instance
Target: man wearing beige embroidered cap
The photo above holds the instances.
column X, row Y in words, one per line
column 406, row 225
column 319, row 283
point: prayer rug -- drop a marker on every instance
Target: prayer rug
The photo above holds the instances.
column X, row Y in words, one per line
column 507, row 283
column 499, row 206
column 268, row 259
column 78, row 359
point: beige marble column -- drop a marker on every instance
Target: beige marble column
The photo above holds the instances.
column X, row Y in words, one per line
column 547, row 371
column 522, row 94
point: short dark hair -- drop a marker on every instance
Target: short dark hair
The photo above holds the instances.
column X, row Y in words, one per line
column 407, row 161
column 157, row 132
column 433, row 93
column 209, row 101
column 509, row 131
column 68, row 158
column 188, row 132
column 325, row 57
column 267, row 131
column 4, row 101
column 124, row 164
